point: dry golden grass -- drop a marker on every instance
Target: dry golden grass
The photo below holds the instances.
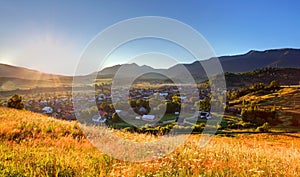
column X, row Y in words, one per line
column 35, row 145
column 286, row 101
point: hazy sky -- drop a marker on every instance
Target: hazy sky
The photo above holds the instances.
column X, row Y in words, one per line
column 51, row 35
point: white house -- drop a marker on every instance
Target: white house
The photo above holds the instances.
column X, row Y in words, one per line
column 161, row 94
column 47, row 110
column 148, row 118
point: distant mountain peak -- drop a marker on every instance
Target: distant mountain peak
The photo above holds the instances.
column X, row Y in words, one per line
column 251, row 52
column 273, row 50
column 254, row 59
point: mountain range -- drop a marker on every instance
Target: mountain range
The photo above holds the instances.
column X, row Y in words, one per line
column 253, row 60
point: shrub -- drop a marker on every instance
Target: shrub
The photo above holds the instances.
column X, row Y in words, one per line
column 198, row 128
column 15, row 102
column 116, row 118
column 258, row 116
column 131, row 129
column 264, row 128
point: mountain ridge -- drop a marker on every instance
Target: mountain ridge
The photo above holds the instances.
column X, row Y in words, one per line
column 252, row 60
column 19, row 72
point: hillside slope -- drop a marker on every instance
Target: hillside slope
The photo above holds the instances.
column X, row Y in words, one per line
column 285, row 76
column 10, row 71
column 286, row 101
column 253, row 60
column 281, row 58
column 13, row 77
column 35, row 145
column 278, row 58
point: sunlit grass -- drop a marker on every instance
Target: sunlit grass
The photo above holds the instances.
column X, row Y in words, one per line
column 35, row 145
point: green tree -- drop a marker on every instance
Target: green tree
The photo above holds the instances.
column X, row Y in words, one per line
column 132, row 103
column 116, row 118
column 172, row 107
column 176, row 99
column 15, row 102
column 257, row 86
column 205, row 104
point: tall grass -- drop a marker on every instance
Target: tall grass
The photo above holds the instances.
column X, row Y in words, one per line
column 35, row 145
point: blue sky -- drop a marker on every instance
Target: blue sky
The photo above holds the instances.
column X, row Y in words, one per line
column 51, row 35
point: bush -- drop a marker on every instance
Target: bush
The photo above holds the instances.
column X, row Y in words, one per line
column 258, row 116
column 198, row 128
column 131, row 129
column 15, row 102
column 264, row 128
column 116, row 118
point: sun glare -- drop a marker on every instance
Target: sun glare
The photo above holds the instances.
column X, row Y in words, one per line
column 6, row 61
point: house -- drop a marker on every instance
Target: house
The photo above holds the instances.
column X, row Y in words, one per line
column 149, row 118
column 161, row 94
column 118, row 111
column 43, row 102
column 182, row 97
column 100, row 98
column 47, row 110
column 142, row 110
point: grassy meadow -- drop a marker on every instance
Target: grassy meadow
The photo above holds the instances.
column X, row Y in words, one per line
column 36, row 145
column 286, row 100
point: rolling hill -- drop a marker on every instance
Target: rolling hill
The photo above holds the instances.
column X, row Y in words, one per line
column 239, row 70
column 13, row 77
column 9, row 71
column 285, row 76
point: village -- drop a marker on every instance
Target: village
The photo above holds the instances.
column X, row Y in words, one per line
column 132, row 104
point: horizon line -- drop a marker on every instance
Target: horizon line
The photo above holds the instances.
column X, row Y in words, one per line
column 67, row 75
